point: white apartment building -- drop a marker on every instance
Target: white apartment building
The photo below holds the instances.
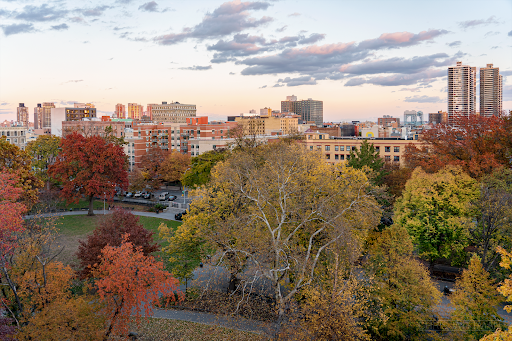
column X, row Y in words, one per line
column 491, row 91
column 174, row 112
column 461, row 91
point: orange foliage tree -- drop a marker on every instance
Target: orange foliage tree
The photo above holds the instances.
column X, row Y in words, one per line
column 90, row 166
column 174, row 166
column 150, row 164
column 130, row 282
column 478, row 144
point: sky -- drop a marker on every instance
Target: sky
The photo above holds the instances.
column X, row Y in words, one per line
column 363, row 59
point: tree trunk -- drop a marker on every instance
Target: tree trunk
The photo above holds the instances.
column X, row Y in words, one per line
column 91, row 206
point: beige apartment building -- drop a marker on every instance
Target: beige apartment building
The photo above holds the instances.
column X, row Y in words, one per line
column 338, row 149
column 16, row 135
column 491, row 91
column 461, row 91
column 43, row 117
column 173, row 112
column 22, row 115
column 135, row 111
column 268, row 125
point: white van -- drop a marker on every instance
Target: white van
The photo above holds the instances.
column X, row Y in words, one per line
column 163, row 196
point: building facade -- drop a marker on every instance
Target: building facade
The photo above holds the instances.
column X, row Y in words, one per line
column 173, row 113
column 387, row 120
column 199, row 135
column 60, row 115
column 120, row 111
column 22, row 115
column 440, row 117
column 135, row 111
column 15, row 134
column 91, row 127
column 461, row 91
column 491, row 91
column 269, row 125
column 309, row 110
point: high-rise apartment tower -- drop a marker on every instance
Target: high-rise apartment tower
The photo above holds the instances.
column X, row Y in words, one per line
column 461, row 91
column 22, row 115
column 309, row 110
column 491, row 91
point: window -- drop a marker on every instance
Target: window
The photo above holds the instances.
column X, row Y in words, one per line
column 396, row 149
column 328, row 156
column 348, row 148
column 310, row 147
column 327, row 148
column 387, row 158
column 396, row 158
column 336, row 157
column 377, row 148
column 336, row 148
column 320, row 137
column 348, row 157
column 318, row 147
column 342, row 157
column 342, row 148
column 387, row 149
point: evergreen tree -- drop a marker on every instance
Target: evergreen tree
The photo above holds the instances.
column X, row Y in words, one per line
column 368, row 156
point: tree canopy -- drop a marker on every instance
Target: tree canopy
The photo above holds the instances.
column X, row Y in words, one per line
column 201, row 167
column 174, row 166
column 44, row 151
column 90, row 166
column 367, row 156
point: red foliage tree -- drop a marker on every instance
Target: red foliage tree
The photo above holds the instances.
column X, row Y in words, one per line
column 151, row 163
column 11, row 219
column 110, row 231
column 130, row 282
column 478, row 144
column 90, row 166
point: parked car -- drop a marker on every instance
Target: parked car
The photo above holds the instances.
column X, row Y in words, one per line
column 172, row 198
column 179, row 216
column 129, row 195
column 163, row 196
column 146, row 195
column 137, row 194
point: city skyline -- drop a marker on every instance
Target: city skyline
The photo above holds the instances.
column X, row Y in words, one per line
column 230, row 57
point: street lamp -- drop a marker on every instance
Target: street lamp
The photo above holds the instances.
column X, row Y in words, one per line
column 104, row 195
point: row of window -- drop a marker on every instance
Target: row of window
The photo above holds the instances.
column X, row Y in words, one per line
column 13, row 133
column 387, row 149
column 340, row 157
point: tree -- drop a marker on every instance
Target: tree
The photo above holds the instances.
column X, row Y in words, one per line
column 368, row 156
column 44, row 151
column 137, row 179
column 403, row 298
column 186, row 248
column 201, row 166
column 174, row 166
column 129, row 282
column 150, row 165
column 395, row 179
column 474, row 302
column 477, row 144
column 435, row 209
column 276, row 209
column 493, row 224
column 90, row 166
column 13, row 160
column 110, row 231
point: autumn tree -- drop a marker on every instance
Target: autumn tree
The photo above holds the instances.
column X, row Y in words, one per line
column 277, row 209
column 174, row 166
column 435, row 209
column 403, row 299
column 110, row 231
column 129, row 283
column 44, row 151
column 493, row 213
column 90, row 166
column 475, row 303
column 13, row 160
column 150, row 164
column 201, row 167
column 137, row 179
column 395, row 179
column 477, row 144
column 367, row 156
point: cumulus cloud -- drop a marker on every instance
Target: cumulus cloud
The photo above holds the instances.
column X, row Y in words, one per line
column 510, row 34
column 294, row 14
column 232, row 73
column 398, row 65
column 241, row 45
column 262, row 87
column 93, row 12
column 151, row 6
column 41, row 13
column 305, row 80
column 17, row 29
column 78, row 20
column 411, row 89
column 491, row 33
column 495, row 47
column 277, row 85
column 454, row 43
column 480, row 22
column 313, row 38
column 60, row 27
column 399, row 79
column 230, row 17
column 424, row 99
column 282, row 29
column 197, row 68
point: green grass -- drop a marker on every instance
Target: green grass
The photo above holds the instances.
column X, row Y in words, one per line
column 82, row 203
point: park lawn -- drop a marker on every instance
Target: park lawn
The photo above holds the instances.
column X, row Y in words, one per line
column 167, row 330
column 82, row 203
column 73, row 228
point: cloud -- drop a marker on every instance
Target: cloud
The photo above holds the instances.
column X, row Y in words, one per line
column 42, row 13
column 151, row 6
column 197, row 68
column 241, row 45
column 507, row 92
column 78, row 20
column 411, row 89
column 305, row 80
column 66, row 103
column 282, row 29
column 313, row 38
column 232, row 73
column 74, row 81
column 262, row 87
column 454, row 43
column 4, row 103
column 424, row 99
column 495, row 47
column 277, row 85
column 60, row 27
column 94, row 12
column 400, row 79
column 473, row 23
column 294, row 14
column 329, row 57
column 230, row 17
column 17, row 29
column 491, row 33
column 510, row 34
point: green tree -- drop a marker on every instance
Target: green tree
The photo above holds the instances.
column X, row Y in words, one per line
column 474, row 302
column 435, row 209
column 201, row 167
column 403, row 298
column 44, row 151
column 368, row 156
